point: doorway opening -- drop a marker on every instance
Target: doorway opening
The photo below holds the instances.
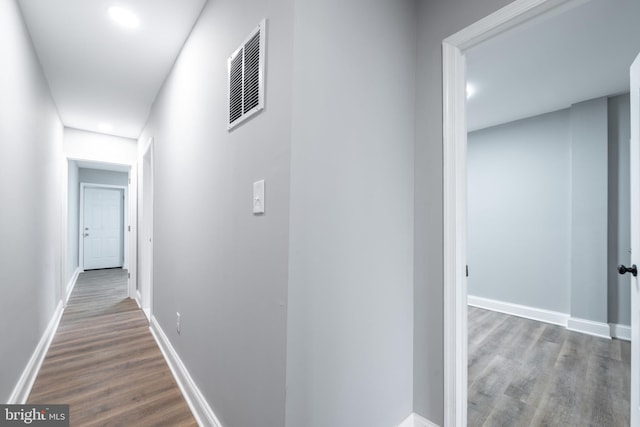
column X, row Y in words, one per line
column 114, row 244
column 519, row 14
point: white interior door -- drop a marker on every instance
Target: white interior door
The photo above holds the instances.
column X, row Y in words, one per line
column 103, row 228
column 635, row 242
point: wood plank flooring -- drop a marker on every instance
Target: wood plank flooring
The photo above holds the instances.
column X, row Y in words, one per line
column 528, row 373
column 105, row 364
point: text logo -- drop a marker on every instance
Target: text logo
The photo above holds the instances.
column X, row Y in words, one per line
column 34, row 415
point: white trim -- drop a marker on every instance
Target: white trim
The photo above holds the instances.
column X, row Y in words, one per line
column 415, row 420
column 575, row 324
column 621, row 332
column 199, row 406
column 132, row 230
column 146, row 311
column 455, row 240
column 634, row 281
column 138, row 299
column 70, row 285
column 538, row 314
column 454, row 189
column 144, row 273
column 589, row 327
column 22, row 389
column 64, row 224
column 520, row 12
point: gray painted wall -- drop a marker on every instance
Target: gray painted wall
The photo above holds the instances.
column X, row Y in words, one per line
column 437, row 20
column 589, row 210
column 619, row 298
column 223, row 268
column 30, row 147
column 97, row 176
column 349, row 352
column 519, row 212
column 350, row 317
column 522, row 171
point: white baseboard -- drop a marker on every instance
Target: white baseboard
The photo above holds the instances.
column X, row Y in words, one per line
column 532, row 313
column 621, row 332
column 22, row 389
column 415, row 420
column 138, row 299
column 602, row 330
column 146, row 311
column 71, row 284
column 199, row 407
column 590, row 327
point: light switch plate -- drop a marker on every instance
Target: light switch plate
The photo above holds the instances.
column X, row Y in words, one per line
column 258, row 197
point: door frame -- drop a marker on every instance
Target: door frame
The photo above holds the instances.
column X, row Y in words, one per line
column 125, row 221
column 67, row 284
column 454, row 140
column 144, row 297
column 634, row 156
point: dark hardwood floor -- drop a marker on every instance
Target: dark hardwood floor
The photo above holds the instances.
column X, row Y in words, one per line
column 528, row 373
column 105, row 364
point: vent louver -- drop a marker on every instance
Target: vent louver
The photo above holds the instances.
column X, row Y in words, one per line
column 246, row 78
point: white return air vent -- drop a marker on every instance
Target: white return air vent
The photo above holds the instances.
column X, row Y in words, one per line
column 246, row 77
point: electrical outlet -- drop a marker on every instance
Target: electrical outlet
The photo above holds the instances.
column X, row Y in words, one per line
column 178, row 321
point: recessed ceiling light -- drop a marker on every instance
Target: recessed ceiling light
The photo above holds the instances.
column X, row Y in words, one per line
column 124, row 17
column 105, row 127
column 471, row 90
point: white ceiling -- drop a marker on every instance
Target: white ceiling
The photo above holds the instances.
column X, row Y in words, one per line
column 99, row 71
column 581, row 54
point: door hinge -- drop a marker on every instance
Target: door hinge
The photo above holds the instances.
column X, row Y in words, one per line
column 467, row 270
column 129, row 228
column 128, row 275
column 129, row 180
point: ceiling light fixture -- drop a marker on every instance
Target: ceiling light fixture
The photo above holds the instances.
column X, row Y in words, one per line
column 105, row 127
column 124, row 17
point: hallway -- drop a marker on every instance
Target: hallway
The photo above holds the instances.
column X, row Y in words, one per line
column 295, row 270
column 104, row 362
